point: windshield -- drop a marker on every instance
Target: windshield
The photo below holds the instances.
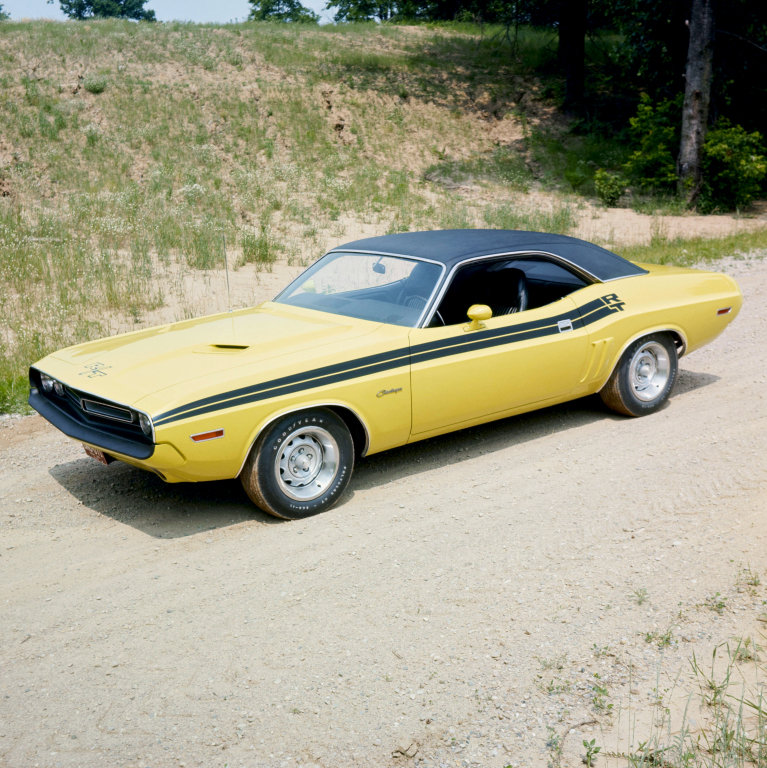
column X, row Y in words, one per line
column 384, row 289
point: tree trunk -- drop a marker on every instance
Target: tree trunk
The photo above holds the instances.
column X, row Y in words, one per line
column 697, row 97
column 573, row 15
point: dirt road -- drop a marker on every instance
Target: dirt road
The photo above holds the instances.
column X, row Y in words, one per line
column 456, row 603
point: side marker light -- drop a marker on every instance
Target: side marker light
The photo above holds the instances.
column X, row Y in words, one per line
column 212, row 435
column 724, row 311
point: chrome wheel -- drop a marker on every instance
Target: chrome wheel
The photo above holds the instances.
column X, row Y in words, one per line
column 649, row 371
column 306, row 463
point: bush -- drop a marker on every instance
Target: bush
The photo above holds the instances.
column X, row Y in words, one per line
column 95, row 83
column 733, row 167
column 655, row 133
column 609, row 186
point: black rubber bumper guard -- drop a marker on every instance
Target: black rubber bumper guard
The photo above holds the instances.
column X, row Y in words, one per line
column 87, row 433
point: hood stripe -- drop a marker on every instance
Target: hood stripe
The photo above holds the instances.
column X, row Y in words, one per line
column 384, row 361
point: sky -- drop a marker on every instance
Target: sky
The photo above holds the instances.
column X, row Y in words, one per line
column 166, row 10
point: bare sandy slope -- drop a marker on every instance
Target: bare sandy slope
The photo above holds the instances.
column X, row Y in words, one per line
column 153, row 625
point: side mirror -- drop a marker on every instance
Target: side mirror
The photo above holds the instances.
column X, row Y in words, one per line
column 477, row 313
column 309, row 286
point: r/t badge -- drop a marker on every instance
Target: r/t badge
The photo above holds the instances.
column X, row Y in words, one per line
column 94, row 370
column 613, row 302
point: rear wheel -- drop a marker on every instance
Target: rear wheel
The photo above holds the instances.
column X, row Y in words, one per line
column 644, row 377
column 300, row 465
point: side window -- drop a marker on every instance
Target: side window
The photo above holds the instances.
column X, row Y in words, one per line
column 507, row 286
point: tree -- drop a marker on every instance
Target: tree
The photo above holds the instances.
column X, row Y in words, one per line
column 697, row 98
column 282, row 10
column 573, row 17
column 3, row 14
column 105, row 9
column 362, row 10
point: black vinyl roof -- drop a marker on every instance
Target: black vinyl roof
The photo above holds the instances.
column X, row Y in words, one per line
column 452, row 246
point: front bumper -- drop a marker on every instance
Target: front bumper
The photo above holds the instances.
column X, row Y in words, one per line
column 66, row 420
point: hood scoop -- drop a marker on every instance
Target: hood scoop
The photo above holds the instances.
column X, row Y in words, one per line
column 221, row 349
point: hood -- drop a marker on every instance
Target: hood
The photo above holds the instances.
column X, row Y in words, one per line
column 128, row 367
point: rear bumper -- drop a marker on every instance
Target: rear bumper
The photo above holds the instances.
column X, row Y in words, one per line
column 87, row 433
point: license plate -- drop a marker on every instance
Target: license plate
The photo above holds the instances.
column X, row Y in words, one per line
column 100, row 456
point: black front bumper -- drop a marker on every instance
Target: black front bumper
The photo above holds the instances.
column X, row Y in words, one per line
column 75, row 426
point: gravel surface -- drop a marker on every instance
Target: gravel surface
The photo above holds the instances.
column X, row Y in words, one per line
column 450, row 611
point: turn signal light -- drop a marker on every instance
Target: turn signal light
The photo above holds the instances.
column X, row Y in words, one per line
column 724, row 311
column 213, row 435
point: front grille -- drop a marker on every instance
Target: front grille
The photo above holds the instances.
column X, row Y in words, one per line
column 107, row 411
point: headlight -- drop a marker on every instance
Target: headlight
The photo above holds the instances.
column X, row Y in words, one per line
column 146, row 424
column 58, row 387
column 46, row 382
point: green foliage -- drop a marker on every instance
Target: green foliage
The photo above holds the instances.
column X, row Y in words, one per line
column 362, row 10
column 716, row 602
column 687, row 252
column 661, row 639
column 3, row 14
column 104, row 9
column 95, row 83
column 502, row 165
column 575, row 159
column 655, row 134
column 555, row 745
column 599, row 698
column 259, row 248
column 591, row 752
column 559, row 221
column 640, row 595
column 283, row 11
column 733, row 167
column 609, row 186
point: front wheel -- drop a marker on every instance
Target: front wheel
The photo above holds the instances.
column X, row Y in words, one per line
column 300, row 465
column 644, row 377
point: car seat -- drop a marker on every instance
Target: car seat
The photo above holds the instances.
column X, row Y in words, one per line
column 507, row 293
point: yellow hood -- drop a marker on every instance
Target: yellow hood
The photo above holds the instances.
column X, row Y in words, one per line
column 128, row 367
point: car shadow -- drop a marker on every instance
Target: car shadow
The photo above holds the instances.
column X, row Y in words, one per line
column 143, row 501
column 459, row 446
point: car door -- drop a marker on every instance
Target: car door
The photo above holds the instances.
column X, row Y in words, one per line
column 459, row 375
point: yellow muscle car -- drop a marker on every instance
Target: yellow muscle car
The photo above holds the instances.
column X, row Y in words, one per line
column 382, row 342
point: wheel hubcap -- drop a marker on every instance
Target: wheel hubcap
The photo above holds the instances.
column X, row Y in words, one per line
column 649, row 370
column 306, row 463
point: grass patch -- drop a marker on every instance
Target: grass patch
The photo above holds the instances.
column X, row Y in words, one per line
column 730, row 697
column 560, row 220
column 686, row 252
column 502, row 165
column 259, row 248
column 571, row 161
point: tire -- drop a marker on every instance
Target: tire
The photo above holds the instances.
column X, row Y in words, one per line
column 300, row 465
column 645, row 376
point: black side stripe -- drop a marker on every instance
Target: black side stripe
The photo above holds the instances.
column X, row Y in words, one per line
column 289, row 390
column 384, row 361
column 292, row 379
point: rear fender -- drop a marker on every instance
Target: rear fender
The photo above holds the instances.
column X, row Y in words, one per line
column 679, row 336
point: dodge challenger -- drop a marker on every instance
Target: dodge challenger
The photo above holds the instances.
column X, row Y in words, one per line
column 381, row 342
